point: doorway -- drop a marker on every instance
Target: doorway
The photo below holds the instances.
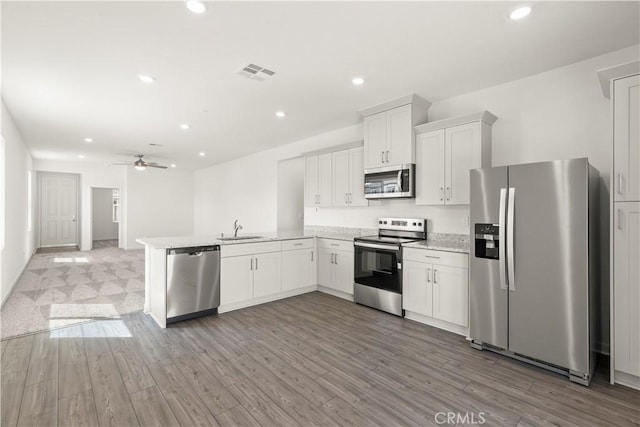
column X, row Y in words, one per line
column 105, row 217
column 58, row 202
column 291, row 194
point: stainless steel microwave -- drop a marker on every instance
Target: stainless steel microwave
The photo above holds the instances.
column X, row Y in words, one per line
column 390, row 182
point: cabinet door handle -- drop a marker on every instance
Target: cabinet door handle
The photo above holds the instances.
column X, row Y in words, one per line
column 382, row 157
column 311, row 256
column 350, row 198
column 620, row 216
column 251, row 263
column 435, row 276
column 346, row 197
column 428, row 275
column 448, row 193
column 620, row 184
column 441, row 193
column 256, row 263
column 335, row 257
column 387, row 157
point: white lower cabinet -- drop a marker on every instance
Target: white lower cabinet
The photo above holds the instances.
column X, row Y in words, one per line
column 298, row 268
column 247, row 277
column 236, row 279
column 627, row 293
column 436, row 288
column 335, row 265
column 451, row 294
column 266, row 274
column 417, row 293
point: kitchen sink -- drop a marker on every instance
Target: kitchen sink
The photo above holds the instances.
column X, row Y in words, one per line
column 231, row 238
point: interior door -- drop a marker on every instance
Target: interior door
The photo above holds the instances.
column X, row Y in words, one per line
column 463, row 153
column 488, row 294
column 430, row 168
column 340, row 179
column 548, row 297
column 58, row 210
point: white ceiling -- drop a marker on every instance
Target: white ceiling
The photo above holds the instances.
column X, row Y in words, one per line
column 70, row 68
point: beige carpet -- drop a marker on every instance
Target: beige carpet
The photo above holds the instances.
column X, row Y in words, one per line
column 67, row 288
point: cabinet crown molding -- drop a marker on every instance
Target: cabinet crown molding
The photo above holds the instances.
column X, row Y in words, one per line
column 482, row 116
column 334, row 148
column 394, row 103
column 605, row 75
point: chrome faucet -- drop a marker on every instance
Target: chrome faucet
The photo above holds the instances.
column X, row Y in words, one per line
column 236, row 227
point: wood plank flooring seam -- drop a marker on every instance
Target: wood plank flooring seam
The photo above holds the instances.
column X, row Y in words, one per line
column 24, row 385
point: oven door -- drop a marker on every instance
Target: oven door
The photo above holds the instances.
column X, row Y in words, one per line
column 376, row 265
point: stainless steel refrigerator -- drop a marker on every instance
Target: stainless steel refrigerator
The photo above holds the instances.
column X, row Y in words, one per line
column 533, row 272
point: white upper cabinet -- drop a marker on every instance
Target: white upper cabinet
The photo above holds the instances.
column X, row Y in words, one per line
column 626, row 139
column 348, row 178
column 446, row 150
column 317, row 180
column 388, row 128
column 375, row 136
column 430, row 154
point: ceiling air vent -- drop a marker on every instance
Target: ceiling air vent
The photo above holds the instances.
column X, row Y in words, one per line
column 256, row 72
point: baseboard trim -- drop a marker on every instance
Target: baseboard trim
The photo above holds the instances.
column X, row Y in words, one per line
column 339, row 294
column 269, row 298
column 15, row 282
column 436, row 323
column 627, row 380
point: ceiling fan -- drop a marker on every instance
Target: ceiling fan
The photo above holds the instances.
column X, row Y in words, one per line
column 141, row 165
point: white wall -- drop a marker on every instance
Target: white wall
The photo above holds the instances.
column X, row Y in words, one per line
column 103, row 227
column 157, row 203
column 246, row 188
column 18, row 244
column 91, row 175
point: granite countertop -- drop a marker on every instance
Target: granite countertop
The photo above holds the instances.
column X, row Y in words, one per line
column 337, row 233
column 443, row 242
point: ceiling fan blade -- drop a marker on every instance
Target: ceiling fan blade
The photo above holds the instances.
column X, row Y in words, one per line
column 156, row 166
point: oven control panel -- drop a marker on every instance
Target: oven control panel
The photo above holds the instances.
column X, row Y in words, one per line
column 403, row 224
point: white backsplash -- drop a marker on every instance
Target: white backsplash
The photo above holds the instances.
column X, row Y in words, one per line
column 440, row 219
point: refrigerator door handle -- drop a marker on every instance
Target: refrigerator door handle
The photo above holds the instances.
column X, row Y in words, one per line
column 501, row 239
column 510, row 248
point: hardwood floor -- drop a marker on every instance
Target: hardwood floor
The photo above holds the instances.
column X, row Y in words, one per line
column 308, row 360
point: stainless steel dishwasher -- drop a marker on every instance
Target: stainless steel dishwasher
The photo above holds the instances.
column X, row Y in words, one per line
column 193, row 282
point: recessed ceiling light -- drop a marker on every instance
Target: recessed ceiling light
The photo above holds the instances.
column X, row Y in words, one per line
column 357, row 81
column 202, row 154
column 280, row 114
column 184, row 126
column 196, row 6
column 520, row 12
column 88, row 140
column 81, row 156
column 145, row 78
column 173, row 165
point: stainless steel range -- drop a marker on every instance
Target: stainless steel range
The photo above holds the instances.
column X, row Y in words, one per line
column 378, row 263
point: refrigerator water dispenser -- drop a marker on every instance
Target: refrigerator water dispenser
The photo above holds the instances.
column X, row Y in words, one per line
column 487, row 241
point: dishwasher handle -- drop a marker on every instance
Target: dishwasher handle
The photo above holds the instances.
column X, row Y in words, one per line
column 193, row 251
